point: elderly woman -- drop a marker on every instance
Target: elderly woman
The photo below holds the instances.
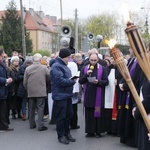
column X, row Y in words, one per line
column 15, row 104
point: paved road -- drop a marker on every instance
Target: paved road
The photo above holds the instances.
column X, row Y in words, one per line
column 23, row 138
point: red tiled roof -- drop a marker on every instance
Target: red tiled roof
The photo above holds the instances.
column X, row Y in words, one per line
column 50, row 24
column 29, row 22
column 34, row 22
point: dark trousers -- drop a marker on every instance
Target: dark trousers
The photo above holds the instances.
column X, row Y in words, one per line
column 39, row 103
column 46, row 107
column 53, row 119
column 64, row 113
column 3, row 121
column 74, row 119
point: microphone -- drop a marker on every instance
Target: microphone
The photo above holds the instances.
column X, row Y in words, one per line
column 91, row 68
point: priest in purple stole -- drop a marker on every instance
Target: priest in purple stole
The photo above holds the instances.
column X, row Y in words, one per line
column 94, row 78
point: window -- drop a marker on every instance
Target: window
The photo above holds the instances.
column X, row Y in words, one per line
column 42, row 44
column 43, row 34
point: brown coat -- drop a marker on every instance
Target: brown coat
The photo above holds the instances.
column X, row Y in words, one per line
column 35, row 79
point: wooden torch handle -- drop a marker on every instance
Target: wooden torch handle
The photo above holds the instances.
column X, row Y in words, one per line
column 139, row 104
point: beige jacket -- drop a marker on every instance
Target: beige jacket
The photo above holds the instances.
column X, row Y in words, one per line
column 35, row 79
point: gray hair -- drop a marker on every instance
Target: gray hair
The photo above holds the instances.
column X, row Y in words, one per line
column 37, row 57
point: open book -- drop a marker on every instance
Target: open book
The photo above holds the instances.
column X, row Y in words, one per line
column 74, row 77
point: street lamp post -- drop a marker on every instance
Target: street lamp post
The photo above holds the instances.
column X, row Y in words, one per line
column 61, row 12
column 98, row 40
column 23, row 31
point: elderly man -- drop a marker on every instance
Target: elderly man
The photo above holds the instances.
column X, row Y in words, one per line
column 35, row 78
column 62, row 92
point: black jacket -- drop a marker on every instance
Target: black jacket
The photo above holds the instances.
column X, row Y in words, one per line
column 3, row 76
column 20, row 75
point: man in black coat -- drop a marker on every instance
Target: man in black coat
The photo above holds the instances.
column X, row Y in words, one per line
column 94, row 96
column 4, row 81
column 62, row 92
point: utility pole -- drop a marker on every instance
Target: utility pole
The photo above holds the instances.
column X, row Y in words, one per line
column 76, row 31
column 61, row 11
column 146, row 11
column 23, row 32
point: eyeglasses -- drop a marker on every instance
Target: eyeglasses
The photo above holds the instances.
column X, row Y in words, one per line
column 93, row 60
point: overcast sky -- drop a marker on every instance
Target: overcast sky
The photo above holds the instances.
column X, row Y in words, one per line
column 85, row 8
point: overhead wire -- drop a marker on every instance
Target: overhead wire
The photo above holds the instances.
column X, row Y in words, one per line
column 54, row 7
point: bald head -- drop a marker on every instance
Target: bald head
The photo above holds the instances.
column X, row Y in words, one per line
column 93, row 58
column 94, row 51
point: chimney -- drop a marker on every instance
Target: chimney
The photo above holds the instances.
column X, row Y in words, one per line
column 41, row 14
column 53, row 18
column 48, row 16
column 31, row 11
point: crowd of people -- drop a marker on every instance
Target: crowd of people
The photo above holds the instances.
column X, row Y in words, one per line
column 72, row 78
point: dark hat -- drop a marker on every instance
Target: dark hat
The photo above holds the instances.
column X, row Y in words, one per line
column 64, row 53
column 28, row 59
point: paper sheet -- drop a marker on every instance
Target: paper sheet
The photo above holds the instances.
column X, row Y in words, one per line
column 91, row 79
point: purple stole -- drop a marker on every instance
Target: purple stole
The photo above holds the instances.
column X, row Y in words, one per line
column 132, row 70
column 97, row 112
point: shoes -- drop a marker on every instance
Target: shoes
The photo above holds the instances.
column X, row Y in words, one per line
column 19, row 116
column 98, row 135
column 45, row 117
column 24, row 117
column 2, row 131
column 90, row 135
column 77, row 127
column 43, row 128
column 9, row 129
column 70, row 138
column 6, row 130
column 13, row 116
column 33, row 127
column 63, row 140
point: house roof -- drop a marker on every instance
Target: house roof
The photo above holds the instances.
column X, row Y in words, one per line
column 34, row 22
column 2, row 13
column 50, row 24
